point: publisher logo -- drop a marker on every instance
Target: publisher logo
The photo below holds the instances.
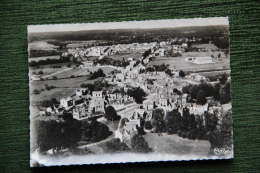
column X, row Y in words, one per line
column 221, row 151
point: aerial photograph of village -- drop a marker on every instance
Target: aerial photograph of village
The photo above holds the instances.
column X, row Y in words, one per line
column 130, row 92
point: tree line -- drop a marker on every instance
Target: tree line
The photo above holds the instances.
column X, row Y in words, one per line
column 67, row 133
column 48, row 61
column 207, row 126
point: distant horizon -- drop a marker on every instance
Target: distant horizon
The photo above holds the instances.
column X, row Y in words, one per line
column 151, row 24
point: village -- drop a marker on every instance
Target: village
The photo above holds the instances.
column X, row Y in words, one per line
column 162, row 88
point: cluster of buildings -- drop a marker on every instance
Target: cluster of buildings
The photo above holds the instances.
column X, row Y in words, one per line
column 158, row 49
column 82, row 104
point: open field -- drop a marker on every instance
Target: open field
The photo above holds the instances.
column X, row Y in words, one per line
column 81, row 72
column 173, row 144
column 202, row 54
column 179, row 63
column 61, row 83
column 41, row 45
column 213, row 73
column 205, row 46
column 57, row 93
column 47, row 69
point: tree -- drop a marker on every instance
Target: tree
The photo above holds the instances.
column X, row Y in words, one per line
column 35, row 92
column 98, row 131
column 216, row 94
column 223, row 79
column 40, row 72
column 148, row 125
column 211, row 121
column 116, row 91
column 139, row 144
column 193, row 90
column 173, row 121
column 226, row 130
column 115, row 146
column 53, row 134
column 110, row 113
column 137, row 93
column 100, row 73
column 219, row 55
column 158, row 120
column 33, row 64
column 181, row 74
column 201, row 98
column 225, row 96
column 54, row 100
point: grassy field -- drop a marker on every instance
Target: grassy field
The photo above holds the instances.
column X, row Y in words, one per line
column 57, row 93
column 46, row 69
column 62, row 83
column 213, row 73
column 202, row 54
column 180, row 64
column 65, row 88
column 173, row 144
column 40, row 45
column 133, row 54
column 206, row 46
column 82, row 72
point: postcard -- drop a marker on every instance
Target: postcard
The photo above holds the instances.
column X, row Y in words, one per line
column 135, row 91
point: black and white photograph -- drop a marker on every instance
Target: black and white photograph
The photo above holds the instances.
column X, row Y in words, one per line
column 134, row 91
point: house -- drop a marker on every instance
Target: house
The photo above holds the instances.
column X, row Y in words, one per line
column 226, row 107
column 148, row 104
column 94, row 51
column 197, row 77
column 80, row 111
column 66, row 103
column 97, row 94
column 36, row 77
column 130, row 59
column 163, row 44
column 184, row 45
column 198, row 109
column 129, row 129
column 97, row 105
column 120, row 77
column 86, row 64
column 160, row 52
column 80, row 92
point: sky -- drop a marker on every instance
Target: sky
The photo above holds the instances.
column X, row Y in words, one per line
column 169, row 23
